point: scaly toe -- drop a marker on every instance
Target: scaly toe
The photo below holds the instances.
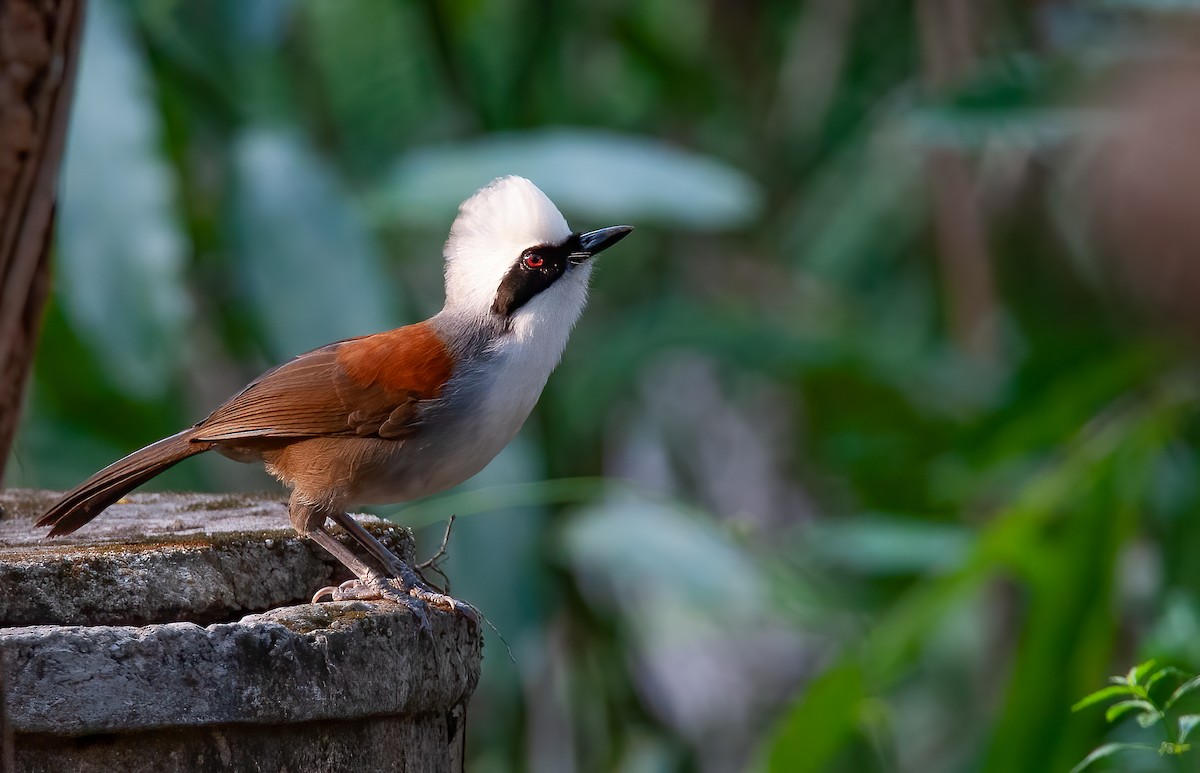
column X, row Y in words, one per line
column 377, row 589
column 442, row 601
column 344, row 592
column 417, row 598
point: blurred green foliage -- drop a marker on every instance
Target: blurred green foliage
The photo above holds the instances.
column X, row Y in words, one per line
column 781, row 507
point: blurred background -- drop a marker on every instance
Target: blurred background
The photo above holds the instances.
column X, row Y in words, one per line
column 878, row 444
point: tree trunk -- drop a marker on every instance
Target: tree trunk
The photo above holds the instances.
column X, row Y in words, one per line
column 39, row 47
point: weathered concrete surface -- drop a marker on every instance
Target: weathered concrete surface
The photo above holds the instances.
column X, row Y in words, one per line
column 326, row 687
column 363, row 746
column 162, row 558
column 343, row 660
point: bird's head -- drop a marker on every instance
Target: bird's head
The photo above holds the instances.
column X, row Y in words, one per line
column 512, row 256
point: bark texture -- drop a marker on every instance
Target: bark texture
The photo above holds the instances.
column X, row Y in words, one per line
column 39, row 47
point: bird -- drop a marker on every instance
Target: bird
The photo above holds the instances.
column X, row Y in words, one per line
column 398, row 415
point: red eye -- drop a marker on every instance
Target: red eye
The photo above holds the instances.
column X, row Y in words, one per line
column 533, row 261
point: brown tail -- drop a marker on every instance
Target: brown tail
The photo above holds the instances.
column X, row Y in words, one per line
column 87, row 500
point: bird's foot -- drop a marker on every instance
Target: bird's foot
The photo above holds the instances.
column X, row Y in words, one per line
column 414, row 595
column 443, row 601
column 356, row 590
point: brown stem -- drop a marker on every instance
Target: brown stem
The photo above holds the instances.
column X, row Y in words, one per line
column 947, row 40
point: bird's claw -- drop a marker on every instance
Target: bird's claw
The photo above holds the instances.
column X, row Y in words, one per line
column 351, row 590
column 442, row 601
column 414, row 597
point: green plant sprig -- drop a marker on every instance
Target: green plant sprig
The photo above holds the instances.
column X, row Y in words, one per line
column 1134, row 690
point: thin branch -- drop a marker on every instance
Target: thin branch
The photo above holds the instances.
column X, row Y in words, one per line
column 440, row 555
column 434, row 562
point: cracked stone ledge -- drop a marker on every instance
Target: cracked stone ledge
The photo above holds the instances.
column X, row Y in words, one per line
column 336, row 661
column 158, row 558
column 135, row 629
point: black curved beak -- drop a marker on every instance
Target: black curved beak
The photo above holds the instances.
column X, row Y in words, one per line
column 594, row 242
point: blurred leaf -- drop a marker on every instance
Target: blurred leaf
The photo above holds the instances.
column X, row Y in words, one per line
column 655, row 556
column 602, row 176
column 1013, row 98
column 1176, row 633
column 861, row 208
column 882, row 545
column 261, row 25
column 1109, row 749
column 373, row 58
column 1024, row 128
column 120, row 250
column 688, row 599
column 1148, row 718
column 1098, row 486
column 820, row 724
column 1160, row 674
column 312, row 270
column 1183, row 689
column 1012, row 540
column 1187, row 723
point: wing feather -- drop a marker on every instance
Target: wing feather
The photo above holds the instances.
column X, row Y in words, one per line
column 362, row 387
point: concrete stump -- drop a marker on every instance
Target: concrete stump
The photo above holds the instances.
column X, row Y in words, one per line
column 173, row 634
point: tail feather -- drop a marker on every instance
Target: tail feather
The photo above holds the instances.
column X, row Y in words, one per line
column 87, row 500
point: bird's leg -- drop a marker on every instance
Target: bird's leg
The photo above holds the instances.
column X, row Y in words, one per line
column 309, row 520
column 397, row 582
column 322, row 537
column 367, row 540
column 409, row 580
column 370, row 585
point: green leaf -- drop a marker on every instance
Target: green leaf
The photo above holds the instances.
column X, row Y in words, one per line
column 1118, row 710
column 819, row 723
column 1103, row 694
column 1187, row 723
column 1160, row 673
column 1109, row 749
column 1137, row 672
column 1181, row 691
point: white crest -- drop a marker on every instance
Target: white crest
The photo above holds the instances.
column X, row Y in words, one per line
column 492, row 229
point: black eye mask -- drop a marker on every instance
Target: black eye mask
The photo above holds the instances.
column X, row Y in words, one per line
column 536, row 269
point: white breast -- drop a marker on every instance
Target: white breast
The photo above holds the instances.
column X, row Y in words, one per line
column 489, row 403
